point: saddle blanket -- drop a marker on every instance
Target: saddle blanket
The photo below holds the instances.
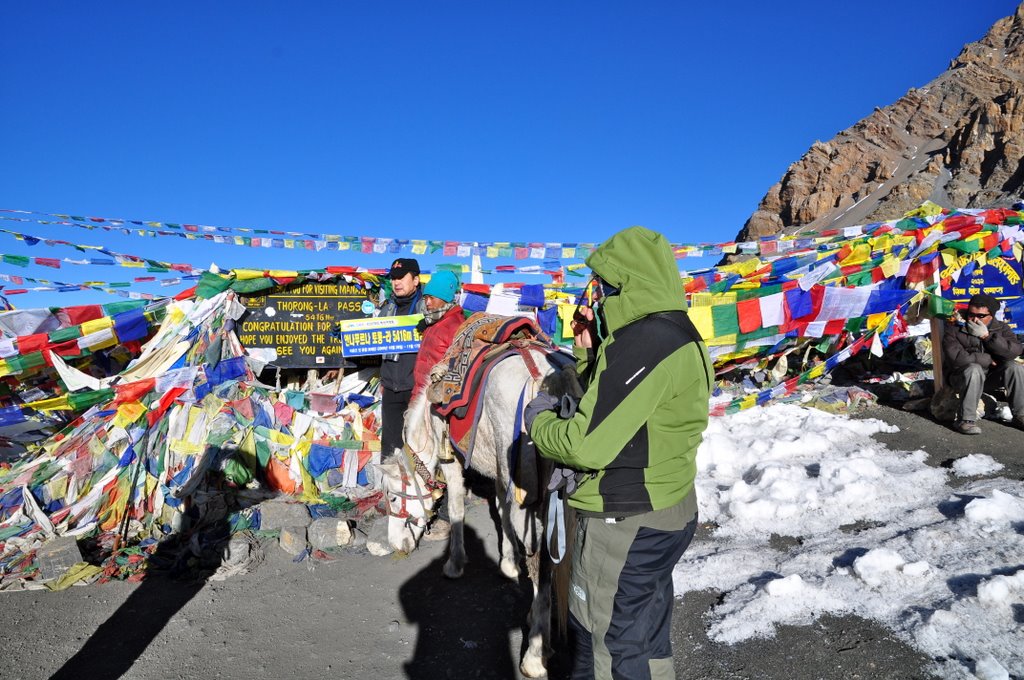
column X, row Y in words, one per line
column 481, row 342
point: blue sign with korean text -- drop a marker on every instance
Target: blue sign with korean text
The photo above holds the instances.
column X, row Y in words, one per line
column 380, row 335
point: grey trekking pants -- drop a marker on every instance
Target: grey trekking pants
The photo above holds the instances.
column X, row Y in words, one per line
column 620, row 592
column 973, row 380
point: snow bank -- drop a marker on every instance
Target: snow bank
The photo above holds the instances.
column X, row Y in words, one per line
column 880, row 535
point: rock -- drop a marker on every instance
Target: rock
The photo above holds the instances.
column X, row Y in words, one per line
column 280, row 514
column 237, row 551
column 957, row 141
column 56, row 556
column 329, row 532
column 377, row 542
column 293, row 540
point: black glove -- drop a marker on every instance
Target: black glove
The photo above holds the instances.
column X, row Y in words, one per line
column 542, row 402
column 563, row 478
column 567, row 407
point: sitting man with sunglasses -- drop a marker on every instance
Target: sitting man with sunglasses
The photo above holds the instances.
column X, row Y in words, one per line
column 981, row 356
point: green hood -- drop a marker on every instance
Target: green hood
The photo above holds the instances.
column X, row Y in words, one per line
column 639, row 262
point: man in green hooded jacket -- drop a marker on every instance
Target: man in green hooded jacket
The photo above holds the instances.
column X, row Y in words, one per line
column 632, row 441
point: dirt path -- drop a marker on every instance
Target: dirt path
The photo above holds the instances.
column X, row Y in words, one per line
column 360, row 616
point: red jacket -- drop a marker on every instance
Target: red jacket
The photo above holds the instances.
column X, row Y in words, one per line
column 437, row 338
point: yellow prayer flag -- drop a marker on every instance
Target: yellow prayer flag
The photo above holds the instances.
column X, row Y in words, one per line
column 859, row 254
column 890, row 267
column 702, row 320
column 96, row 325
column 565, row 313
column 54, row 404
column 128, row 413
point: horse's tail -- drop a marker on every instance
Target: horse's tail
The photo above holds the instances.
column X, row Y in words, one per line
column 560, row 577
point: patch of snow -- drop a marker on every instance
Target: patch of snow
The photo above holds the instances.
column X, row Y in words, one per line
column 976, row 465
column 882, row 536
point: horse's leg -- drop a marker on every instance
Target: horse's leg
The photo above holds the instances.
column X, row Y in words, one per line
column 532, row 664
column 510, row 512
column 457, row 514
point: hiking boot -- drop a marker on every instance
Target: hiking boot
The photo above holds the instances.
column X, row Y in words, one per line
column 968, row 427
column 1018, row 422
column 439, row 530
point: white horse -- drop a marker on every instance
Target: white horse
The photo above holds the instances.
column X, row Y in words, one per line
column 410, row 499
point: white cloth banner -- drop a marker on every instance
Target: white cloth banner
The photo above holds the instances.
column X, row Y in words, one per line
column 773, row 309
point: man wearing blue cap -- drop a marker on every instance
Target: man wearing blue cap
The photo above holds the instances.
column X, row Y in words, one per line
column 440, row 323
column 396, row 369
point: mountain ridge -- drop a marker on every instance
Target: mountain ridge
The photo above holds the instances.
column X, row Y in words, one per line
column 957, row 141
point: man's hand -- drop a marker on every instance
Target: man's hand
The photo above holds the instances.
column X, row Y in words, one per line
column 582, row 322
column 977, row 329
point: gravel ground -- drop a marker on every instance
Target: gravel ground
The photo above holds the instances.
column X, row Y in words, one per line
column 360, row 616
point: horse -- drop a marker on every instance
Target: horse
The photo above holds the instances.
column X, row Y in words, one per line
column 409, row 488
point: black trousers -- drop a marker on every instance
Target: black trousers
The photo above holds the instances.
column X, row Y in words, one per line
column 392, row 412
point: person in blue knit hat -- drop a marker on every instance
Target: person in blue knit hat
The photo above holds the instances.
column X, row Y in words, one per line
column 441, row 322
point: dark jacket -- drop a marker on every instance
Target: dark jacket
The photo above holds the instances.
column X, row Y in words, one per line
column 960, row 348
column 396, row 369
column 437, row 338
column 638, row 425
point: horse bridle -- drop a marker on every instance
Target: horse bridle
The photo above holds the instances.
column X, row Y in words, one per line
column 432, row 488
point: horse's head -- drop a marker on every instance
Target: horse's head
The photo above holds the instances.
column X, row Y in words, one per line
column 409, row 485
column 409, row 505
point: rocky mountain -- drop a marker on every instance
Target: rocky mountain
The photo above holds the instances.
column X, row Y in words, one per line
column 958, row 141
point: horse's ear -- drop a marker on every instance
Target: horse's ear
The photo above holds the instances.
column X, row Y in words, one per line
column 390, row 471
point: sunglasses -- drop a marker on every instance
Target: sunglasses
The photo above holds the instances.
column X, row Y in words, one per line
column 596, row 290
column 978, row 316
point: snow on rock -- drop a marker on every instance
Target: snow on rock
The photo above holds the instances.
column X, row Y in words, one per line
column 878, row 565
column 996, row 512
column 880, row 535
column 988, row 668
column 976, row 465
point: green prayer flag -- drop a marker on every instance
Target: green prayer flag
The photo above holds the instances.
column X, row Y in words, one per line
column 262, row 452
column 245, row 286
column 17, row 260
column 79, row 401
column 32, row 360
column 121, row 306
column 65, row 334
column 724, row 320
column 211, row 285
column 937, row 306
column 964, row 246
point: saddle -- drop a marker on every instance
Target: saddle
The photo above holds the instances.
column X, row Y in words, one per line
column 480, row 344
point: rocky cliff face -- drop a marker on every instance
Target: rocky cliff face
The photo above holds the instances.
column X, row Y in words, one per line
column 958, row 141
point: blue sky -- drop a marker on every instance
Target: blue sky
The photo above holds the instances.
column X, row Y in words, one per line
column 460, row 121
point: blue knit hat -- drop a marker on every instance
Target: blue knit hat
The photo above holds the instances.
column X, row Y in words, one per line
column 443, row 285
